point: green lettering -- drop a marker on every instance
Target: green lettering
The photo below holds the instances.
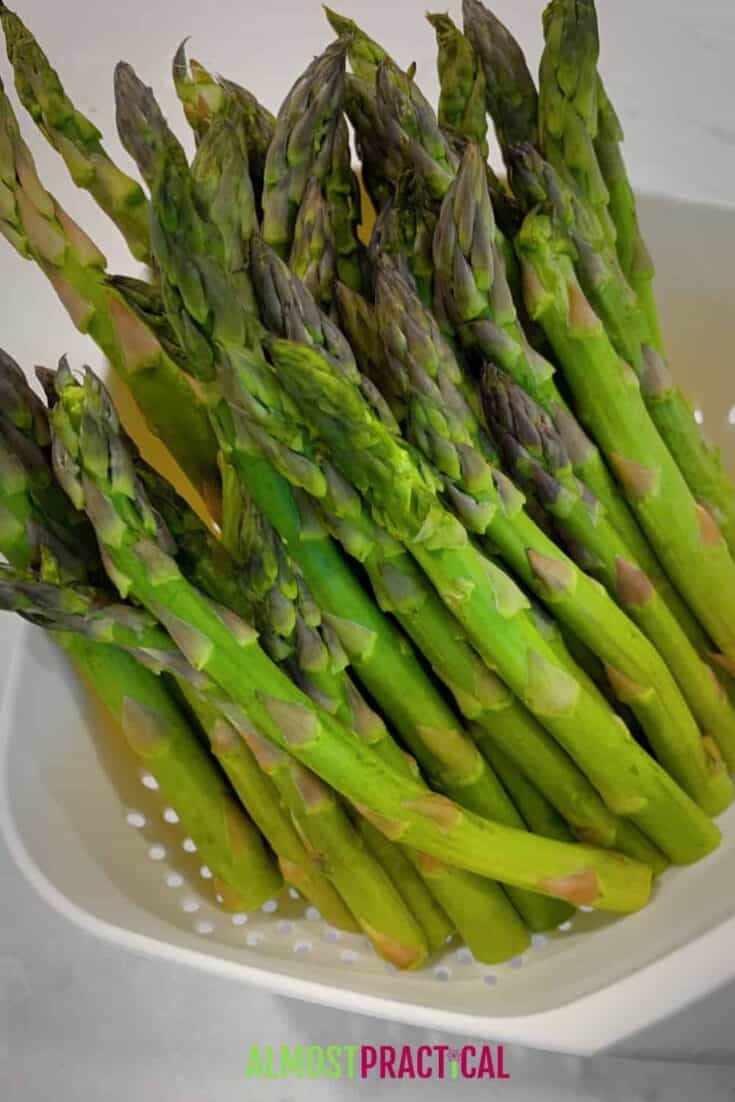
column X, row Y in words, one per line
column 334, row 1069
column 315, row 1061
column 254, row 1068
column 292, row 1061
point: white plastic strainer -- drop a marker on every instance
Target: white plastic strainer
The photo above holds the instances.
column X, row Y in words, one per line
column 94, row 835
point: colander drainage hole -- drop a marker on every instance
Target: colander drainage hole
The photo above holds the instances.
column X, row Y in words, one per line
column 135, row 819
column 239, row 919
column 255, row 937
column 284, row 927
column 490, row 980
column 312, row 914
column 293, row 893
column 349, row 956
column 156, row 853
column 565, row 927
column 174, row 880
column 539, row 940
column 170, row 815
column 189, row 845
column 330, row 934
column 149, row 781
column 516, row 963
column 191, row 906
column 442, row 973
column 270, row 907
column 205, row 872
column 464, row 956
column 203, row 927
column 302, row 948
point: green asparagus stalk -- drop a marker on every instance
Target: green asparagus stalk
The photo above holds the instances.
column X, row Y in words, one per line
column 267, row 590
column 567, row 105
column 300, row 868
column 408, row 883
column 311, row 140
column 536, row 457
column 486, row 602
column 314, row 253
column 540, row 816
column 261, row 433
column 604, row 283
column 634, row 257
column 473, row 294
column 607, row 393
column 453, row 762
column 204, row 97
column 443, row 426
column 75, row 137
column 36, row 226
column 94, row 468
column 511, row 96
column 152, row 726
column 462, row 84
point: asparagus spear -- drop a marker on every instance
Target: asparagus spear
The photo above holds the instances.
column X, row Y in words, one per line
column 535, row 455
column 484, row 599
column 607, row 393
column 474, row 907
column 203, row 96
column 36, row 226
column 473, row 294
column 401, row 587
column 567, row 106
column 262, row 434
column 510, row 92
column 300, row 867
column 311, row 140
column 634, row 256
column 47, row 558
column 155, row 731
column 442, row 424
column 612, row 298
column 462, row 83
column 540, row 816
column 313, row 253
column 74, row 136
column 94, row 467
column 331, row 583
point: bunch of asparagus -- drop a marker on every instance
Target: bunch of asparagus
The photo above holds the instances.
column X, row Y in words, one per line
column 451, row 650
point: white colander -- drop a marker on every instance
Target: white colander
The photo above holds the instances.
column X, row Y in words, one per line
column 92, row 833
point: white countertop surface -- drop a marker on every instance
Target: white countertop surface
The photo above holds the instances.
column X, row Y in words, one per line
column 80, row 1020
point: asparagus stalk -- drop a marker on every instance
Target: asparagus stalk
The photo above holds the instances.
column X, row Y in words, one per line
column 535, row 455
column 511, row 97
column 486, row 601
column 453, row 762
column 74, row 136
column 634, row 257
column 314, row 253
column 604, row 283
column 461, row 82
column 261, row 431
column 300, row 867
column 540, row 816
column 153, row 727
column 264, row 587
column 442, row 424
column 37, row 228
column 567, row 106
column 473, row 294
column 310, row 140
column 607, row 393
column 94, row 468
column 479, row 694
